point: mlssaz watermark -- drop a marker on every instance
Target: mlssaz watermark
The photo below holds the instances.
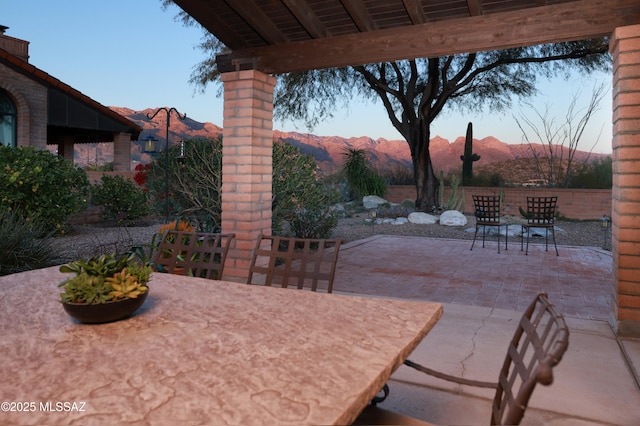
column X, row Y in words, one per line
column 46, row 406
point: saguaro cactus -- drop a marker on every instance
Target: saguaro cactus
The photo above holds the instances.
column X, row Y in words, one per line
column 468, row 158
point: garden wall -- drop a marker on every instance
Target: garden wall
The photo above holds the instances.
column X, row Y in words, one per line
column 581, row 204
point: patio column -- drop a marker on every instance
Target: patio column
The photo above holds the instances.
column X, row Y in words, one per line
column 247, row 149
column 625, row 48
column 66, row 148
column 122, row 152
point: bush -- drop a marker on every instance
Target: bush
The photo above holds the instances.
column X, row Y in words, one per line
column 597, row 175
column 41, row 187
column 22, row 247
column 361, row 178
column 122, row 200
column 195, row 181
column 301, row 205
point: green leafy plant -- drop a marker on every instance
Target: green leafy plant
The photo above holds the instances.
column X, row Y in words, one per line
column 103, row 279
column 301, row 204
column 362, row 179
column 22, row 245
column 122, row 200
column 41, row 187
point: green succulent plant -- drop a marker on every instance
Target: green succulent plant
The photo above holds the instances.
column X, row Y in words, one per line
column 103, row 279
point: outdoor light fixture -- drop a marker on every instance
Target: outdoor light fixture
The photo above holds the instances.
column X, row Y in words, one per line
column 181, row 157
column 605, row 223
column 166, row 153
column 150, row 145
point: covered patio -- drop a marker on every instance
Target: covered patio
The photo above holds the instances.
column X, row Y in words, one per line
column 278, row 37
column 483, row 294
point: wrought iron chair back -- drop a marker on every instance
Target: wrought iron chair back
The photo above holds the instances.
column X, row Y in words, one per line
column 487, row 213
column 541, row 213
column 294, row 262
column 538, row 345
column 197, row 254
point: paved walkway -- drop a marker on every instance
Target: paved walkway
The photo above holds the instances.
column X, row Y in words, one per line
column 578, row 281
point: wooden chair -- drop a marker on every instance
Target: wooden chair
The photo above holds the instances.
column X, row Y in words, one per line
column 487, row 213
column 540, row 341
column 196, row 254
column 294, row 262
column 541, row 213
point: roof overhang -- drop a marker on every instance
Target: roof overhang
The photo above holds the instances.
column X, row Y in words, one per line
column 286, row 36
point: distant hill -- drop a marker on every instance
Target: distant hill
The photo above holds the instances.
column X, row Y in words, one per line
column 328, row 151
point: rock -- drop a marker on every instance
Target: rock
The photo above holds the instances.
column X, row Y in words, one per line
column 372, row 201
column 452, row 218
column 400, row 221
column 422, row 218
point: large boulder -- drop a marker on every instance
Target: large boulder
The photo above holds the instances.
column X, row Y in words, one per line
column 422, row 218
column 372, row 201
column 452, row 218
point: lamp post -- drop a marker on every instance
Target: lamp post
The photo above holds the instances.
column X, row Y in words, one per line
column 166, row 153
column 605, row 223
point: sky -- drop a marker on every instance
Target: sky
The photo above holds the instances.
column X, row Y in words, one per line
column 134, row 54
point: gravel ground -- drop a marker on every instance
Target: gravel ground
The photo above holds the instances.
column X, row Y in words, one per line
column 86, row 241
column 571, row 233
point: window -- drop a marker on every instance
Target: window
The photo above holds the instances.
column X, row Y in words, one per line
column 8, row 118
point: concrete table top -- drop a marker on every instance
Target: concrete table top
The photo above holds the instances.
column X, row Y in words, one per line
column 200, row 352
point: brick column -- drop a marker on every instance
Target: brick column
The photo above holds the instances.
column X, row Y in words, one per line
column 122, row 152
column 65, row 149
column 625, row 48
column 247, row 149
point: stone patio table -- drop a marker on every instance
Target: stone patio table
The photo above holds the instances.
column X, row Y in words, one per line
column 201, row 352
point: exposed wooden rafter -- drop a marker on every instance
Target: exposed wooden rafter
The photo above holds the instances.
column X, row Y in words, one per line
column 414, row 10
column 251, row 13
column 307, row 18
column 359, row 15
column 475, row 8
column 524, row 27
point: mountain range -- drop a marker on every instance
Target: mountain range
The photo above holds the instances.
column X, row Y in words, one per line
column 328, row 151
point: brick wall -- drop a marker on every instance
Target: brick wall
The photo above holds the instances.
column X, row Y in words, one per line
column 581, row 204
column 625, row 48
column 31, row 104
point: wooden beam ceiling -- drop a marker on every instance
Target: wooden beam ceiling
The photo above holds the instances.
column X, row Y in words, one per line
column 522, row 27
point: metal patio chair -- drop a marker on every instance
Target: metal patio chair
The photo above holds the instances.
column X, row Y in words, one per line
column 541, row 213
column 540, row 341
column 196, row 254
column 487, row 213
column 294, row 262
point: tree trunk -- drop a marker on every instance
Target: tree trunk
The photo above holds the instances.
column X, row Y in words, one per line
column 427, row 184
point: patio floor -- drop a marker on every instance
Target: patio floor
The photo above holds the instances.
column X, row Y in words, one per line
column 483, row 294
column 578, row 281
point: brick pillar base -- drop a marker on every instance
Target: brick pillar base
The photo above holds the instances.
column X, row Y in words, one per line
column 247, row 149
column 625, row 47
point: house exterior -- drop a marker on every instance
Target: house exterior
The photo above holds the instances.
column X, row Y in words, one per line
column 38, row 110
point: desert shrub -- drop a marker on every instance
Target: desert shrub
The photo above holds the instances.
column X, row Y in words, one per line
column 195, row 186
column 106, row 167
column 399, row 175
column 486, row 179
column 195, row 181
column 301, row 204
column 41, row 186
column 597, row 175
column 361, row 177
column 121, row 199
column 24, row 245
